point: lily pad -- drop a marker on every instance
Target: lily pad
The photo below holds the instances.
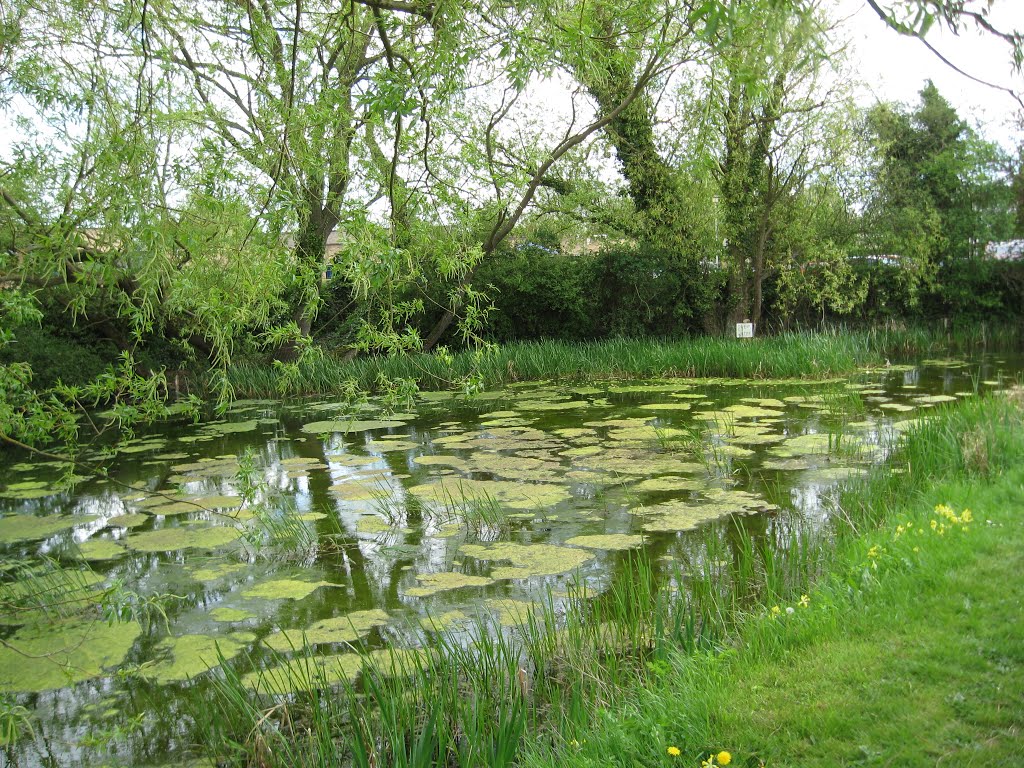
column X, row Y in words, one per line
column 351, row 459
column 72, row 588
column 445, row 461
column 30, row 490
column 309, row 673
column 508, row 493
column 230, row 427
column 128, row 520
column 661, row 484
column 934, row 399
column 219, row 571
column 353, row 490
column 372, row 524
column 385, row 446
column 683, row 517
column 443, row 621
column 214, row 502
column 507, row 612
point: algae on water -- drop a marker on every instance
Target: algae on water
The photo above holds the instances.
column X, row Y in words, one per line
column 441, row 582
column 607, row 541
column 528, row 560
column 340, row 629
column 28, row 527
column 41, row 657
column 286, row 589
column 185, row 657
column 171, row 539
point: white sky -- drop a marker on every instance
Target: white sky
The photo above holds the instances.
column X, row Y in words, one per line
column 894, row 68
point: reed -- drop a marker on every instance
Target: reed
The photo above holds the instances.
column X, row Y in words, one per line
column 801, row 354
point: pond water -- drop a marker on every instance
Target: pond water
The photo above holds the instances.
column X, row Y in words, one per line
column 291, row 524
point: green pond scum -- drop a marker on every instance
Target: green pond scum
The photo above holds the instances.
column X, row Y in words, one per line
column 292, row 547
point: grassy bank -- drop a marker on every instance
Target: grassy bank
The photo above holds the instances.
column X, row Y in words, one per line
column 909, row 652
column 811, row 355
column 618, row 679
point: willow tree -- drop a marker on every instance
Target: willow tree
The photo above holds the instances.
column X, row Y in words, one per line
column 785, row 119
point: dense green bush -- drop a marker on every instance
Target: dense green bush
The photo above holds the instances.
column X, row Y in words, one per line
column 977, row 289
column 539, row 293
column 633, row 291
column 71, row 358
column 625, row 290
column 646, row 291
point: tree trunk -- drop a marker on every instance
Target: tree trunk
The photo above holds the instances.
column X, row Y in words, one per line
column 310, row 251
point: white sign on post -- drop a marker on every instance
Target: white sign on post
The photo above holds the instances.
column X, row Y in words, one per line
column 744, row 330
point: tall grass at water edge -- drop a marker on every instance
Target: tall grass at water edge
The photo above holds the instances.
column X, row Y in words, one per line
column 804, row 354
column 485, row 701
column 901, row 341
column 813, row 355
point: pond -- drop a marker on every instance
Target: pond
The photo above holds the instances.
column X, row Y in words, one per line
column 295, row 527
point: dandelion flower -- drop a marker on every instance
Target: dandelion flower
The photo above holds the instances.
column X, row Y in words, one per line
column 723, row 757
column 674, row 751
column 789, row 610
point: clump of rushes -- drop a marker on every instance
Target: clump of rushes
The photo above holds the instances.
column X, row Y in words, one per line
column 806, row 355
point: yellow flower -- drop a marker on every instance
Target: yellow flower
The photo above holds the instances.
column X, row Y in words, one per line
column 934, row 524
column 967, row 517
column 724, row 758
column 674, row 751
column 709, row 763
column 873, row 552
column 776, row 610
column 804, row 601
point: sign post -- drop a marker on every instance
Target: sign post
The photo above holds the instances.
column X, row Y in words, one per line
column 745, row 330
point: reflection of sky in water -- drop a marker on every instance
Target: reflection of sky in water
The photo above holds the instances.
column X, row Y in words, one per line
column 375, row 567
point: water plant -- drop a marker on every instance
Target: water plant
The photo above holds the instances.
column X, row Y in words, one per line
column 798, row 354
